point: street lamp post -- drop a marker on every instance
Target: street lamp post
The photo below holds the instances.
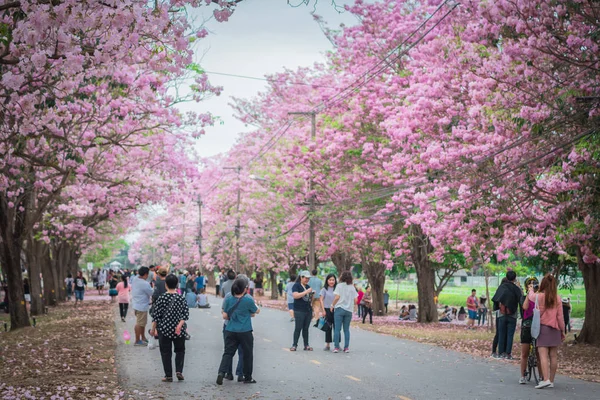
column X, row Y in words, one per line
column 311, row 199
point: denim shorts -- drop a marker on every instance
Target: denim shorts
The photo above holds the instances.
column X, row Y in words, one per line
column 290, row 306
column 472, row 314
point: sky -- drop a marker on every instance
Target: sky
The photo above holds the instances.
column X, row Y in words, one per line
column 261, row 37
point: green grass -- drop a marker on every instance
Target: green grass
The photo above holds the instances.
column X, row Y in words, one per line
column 457, row 296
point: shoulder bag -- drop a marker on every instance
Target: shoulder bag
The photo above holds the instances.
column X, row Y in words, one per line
column 535, row 322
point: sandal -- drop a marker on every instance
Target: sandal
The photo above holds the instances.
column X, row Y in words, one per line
column 179, row 376
column 167, row 379
column 308, row 348
column 293, row 348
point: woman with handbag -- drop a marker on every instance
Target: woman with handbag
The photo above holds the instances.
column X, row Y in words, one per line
column 552, row 326
column 169, row 315
column 238, row 309
column 326, row 300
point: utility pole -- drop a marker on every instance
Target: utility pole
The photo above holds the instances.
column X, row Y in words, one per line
column 311, row 199
column 237, row 224
column 200, row 232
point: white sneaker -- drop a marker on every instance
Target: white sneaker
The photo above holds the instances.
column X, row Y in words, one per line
column 522, row 380
column 543, row 384
column 551, row 385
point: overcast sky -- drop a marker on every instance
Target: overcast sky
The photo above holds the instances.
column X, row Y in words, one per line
column 262, row 37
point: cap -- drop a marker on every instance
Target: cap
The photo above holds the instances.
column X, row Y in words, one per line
column 305, row 274
column 185, row 272
column 162, row 271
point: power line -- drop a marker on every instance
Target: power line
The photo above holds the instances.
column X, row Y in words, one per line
column 269, row 80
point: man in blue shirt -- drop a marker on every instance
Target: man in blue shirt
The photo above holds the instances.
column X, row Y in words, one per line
column 199, row 282
column 238, row 310
column 141, row 293
column 182, row 281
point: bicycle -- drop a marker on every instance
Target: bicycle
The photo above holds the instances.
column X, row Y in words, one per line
column 532, row 363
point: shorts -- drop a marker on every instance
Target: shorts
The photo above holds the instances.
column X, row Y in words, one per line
column 291, row 306
column 141, row 318
column 28, row 298
column 79, row 294
column 526, row 335
column 113, row 292
column 472, row 314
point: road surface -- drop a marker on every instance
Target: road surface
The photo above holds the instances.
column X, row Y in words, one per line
column 378, row 367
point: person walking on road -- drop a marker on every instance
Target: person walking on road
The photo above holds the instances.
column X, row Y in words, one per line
column 367, row 305
column 316, row 284
column 552, row 327
column 238, row 309
column 326, row 300
column 302, row 294
column 508, row 297
column 226, row 286
column 239, row 370
column 343, row 307
column 141, row 294
column 290, row 297
column 80, row 285
column 169, row 315
column 123, row 289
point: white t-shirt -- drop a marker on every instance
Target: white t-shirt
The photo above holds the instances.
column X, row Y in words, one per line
column 251, row 284
column 347, row 295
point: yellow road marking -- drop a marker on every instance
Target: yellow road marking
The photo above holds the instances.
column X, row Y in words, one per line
column 267, row 340
column 315, row 362
column 403, row 397
column 353, row 378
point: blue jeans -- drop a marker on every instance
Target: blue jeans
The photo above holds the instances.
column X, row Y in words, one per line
column 240, row 363
column 506, row 333
column 341, row 319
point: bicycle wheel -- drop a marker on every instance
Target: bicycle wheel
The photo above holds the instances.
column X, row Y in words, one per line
column 532, row 368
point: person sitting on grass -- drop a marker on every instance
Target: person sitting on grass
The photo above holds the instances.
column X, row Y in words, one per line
column 462, row 314
column 403, row 312
column 446, row 314
column 412, row 313
column 202, row 299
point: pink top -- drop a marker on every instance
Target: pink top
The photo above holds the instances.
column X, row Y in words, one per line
column 124, row 292
column 550, row 317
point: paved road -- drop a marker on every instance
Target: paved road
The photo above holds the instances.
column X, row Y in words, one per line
column 379, row 367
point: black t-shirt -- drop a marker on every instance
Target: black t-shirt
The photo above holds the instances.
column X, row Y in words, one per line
column 189, row 285
column 258, row 283
column 113, row 283
column 80, row 283
column 160, row 287
column 303, row 303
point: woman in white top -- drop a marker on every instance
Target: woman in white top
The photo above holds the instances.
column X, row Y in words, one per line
column 343, row 305
column 326, row 299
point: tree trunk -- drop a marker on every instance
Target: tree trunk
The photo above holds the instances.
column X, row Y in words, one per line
column 48, row 278
column 11, row 265
column 11, row 245
column 421, row 248
column 342, row 261
column 273, row 280
column 375, row 272
column 34, row 252
column 590, row 332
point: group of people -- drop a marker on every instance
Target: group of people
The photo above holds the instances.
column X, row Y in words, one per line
column 508, row 302
column 309, row 299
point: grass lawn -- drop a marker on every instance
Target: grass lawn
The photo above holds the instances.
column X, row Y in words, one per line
column 457, row 296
